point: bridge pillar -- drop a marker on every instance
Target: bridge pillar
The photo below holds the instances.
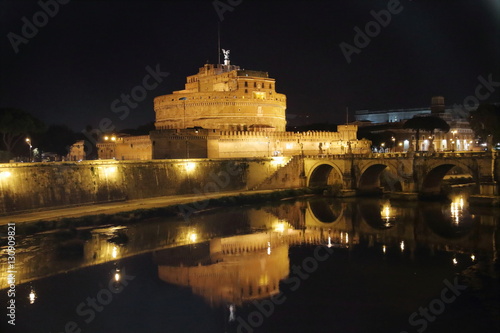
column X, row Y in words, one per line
column 490, row 188
column 408, row 186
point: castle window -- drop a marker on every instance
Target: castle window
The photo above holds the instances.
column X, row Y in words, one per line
column 246, row 91
column 255, row 84
column 270, row 86
column 246, row 84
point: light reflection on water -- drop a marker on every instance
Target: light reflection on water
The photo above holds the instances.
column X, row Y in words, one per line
column 327, row 220
column 240, row 255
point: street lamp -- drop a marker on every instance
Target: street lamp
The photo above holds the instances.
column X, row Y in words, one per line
column 28, row 141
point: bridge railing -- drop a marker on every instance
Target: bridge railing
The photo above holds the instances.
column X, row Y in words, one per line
column 439, row 154
column 469, row 154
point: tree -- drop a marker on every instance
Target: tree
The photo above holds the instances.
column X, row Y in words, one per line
column 429, row 124
column 57, row 139
column 15, row 124
column 485, row 122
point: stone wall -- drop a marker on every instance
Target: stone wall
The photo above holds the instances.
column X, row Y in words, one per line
column 48, row 185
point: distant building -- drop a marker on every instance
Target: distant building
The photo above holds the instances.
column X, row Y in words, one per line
column 77, row 151
column 226, row 112
column 460, row 137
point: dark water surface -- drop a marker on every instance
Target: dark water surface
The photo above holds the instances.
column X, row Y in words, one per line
column 316, row 265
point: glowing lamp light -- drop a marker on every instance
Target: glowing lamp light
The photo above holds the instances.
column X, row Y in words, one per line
column 268, row 248
column 32, row 296
column 402, row 246
column 190, row 166
column 329, row 241
column 110, row 170
column 192, row 237
column 106, row 138
column 384, row 249
column 277, row 160
column 455, row 261
column 280, row 227
column 473, row 257
column 118, row 275
column 5, row 174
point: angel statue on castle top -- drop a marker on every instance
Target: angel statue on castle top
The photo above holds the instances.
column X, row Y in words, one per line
column 226, row 56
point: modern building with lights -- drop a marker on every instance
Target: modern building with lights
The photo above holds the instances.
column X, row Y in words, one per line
column 226, row 112
column 460, row 137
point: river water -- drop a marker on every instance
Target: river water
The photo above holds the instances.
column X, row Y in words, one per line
column 310, row 265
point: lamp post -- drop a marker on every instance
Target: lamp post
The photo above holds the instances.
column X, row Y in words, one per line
column 28, row 141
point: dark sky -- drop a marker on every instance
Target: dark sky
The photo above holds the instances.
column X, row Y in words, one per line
column 91, row 52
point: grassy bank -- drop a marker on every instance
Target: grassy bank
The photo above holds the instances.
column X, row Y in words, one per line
column 177, row 210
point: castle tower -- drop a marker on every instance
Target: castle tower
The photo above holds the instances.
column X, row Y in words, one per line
column 437, row 104
column 223, row 97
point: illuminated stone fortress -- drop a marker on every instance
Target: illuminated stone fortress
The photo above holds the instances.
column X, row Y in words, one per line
column 224, row 97
column 226, row 112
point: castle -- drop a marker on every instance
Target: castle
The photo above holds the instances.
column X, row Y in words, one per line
column 226, row 112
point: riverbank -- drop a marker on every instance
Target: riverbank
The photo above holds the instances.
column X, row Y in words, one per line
column 132, row 211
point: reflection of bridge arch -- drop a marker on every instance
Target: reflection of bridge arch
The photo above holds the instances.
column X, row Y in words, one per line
column 324, row 173
column 432, row 180
column 326, row 212
column 438, row 219
column 375, row 174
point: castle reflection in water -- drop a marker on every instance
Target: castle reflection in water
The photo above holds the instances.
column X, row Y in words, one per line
column 241, row 254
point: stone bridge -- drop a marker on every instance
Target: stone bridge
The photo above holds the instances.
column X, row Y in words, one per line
column 410, row 173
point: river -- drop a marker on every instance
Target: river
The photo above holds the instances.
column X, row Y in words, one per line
column 311, row 265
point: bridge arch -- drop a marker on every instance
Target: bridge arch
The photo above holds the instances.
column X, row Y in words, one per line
column 431, row 183
column 376, row 175
column 324, row 173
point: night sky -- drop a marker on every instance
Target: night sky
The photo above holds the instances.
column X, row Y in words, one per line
column 91, row 52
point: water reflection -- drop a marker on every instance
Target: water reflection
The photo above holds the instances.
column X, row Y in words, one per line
column 250, row 238
column 32, row 296
column 326, row 211
column 457, row 209
column 452, row 220
column 227, row 270
column 379, row 214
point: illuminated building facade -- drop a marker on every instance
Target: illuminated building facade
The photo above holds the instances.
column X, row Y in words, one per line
column 226, row 112
column 460, row 137
column 223, row 97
